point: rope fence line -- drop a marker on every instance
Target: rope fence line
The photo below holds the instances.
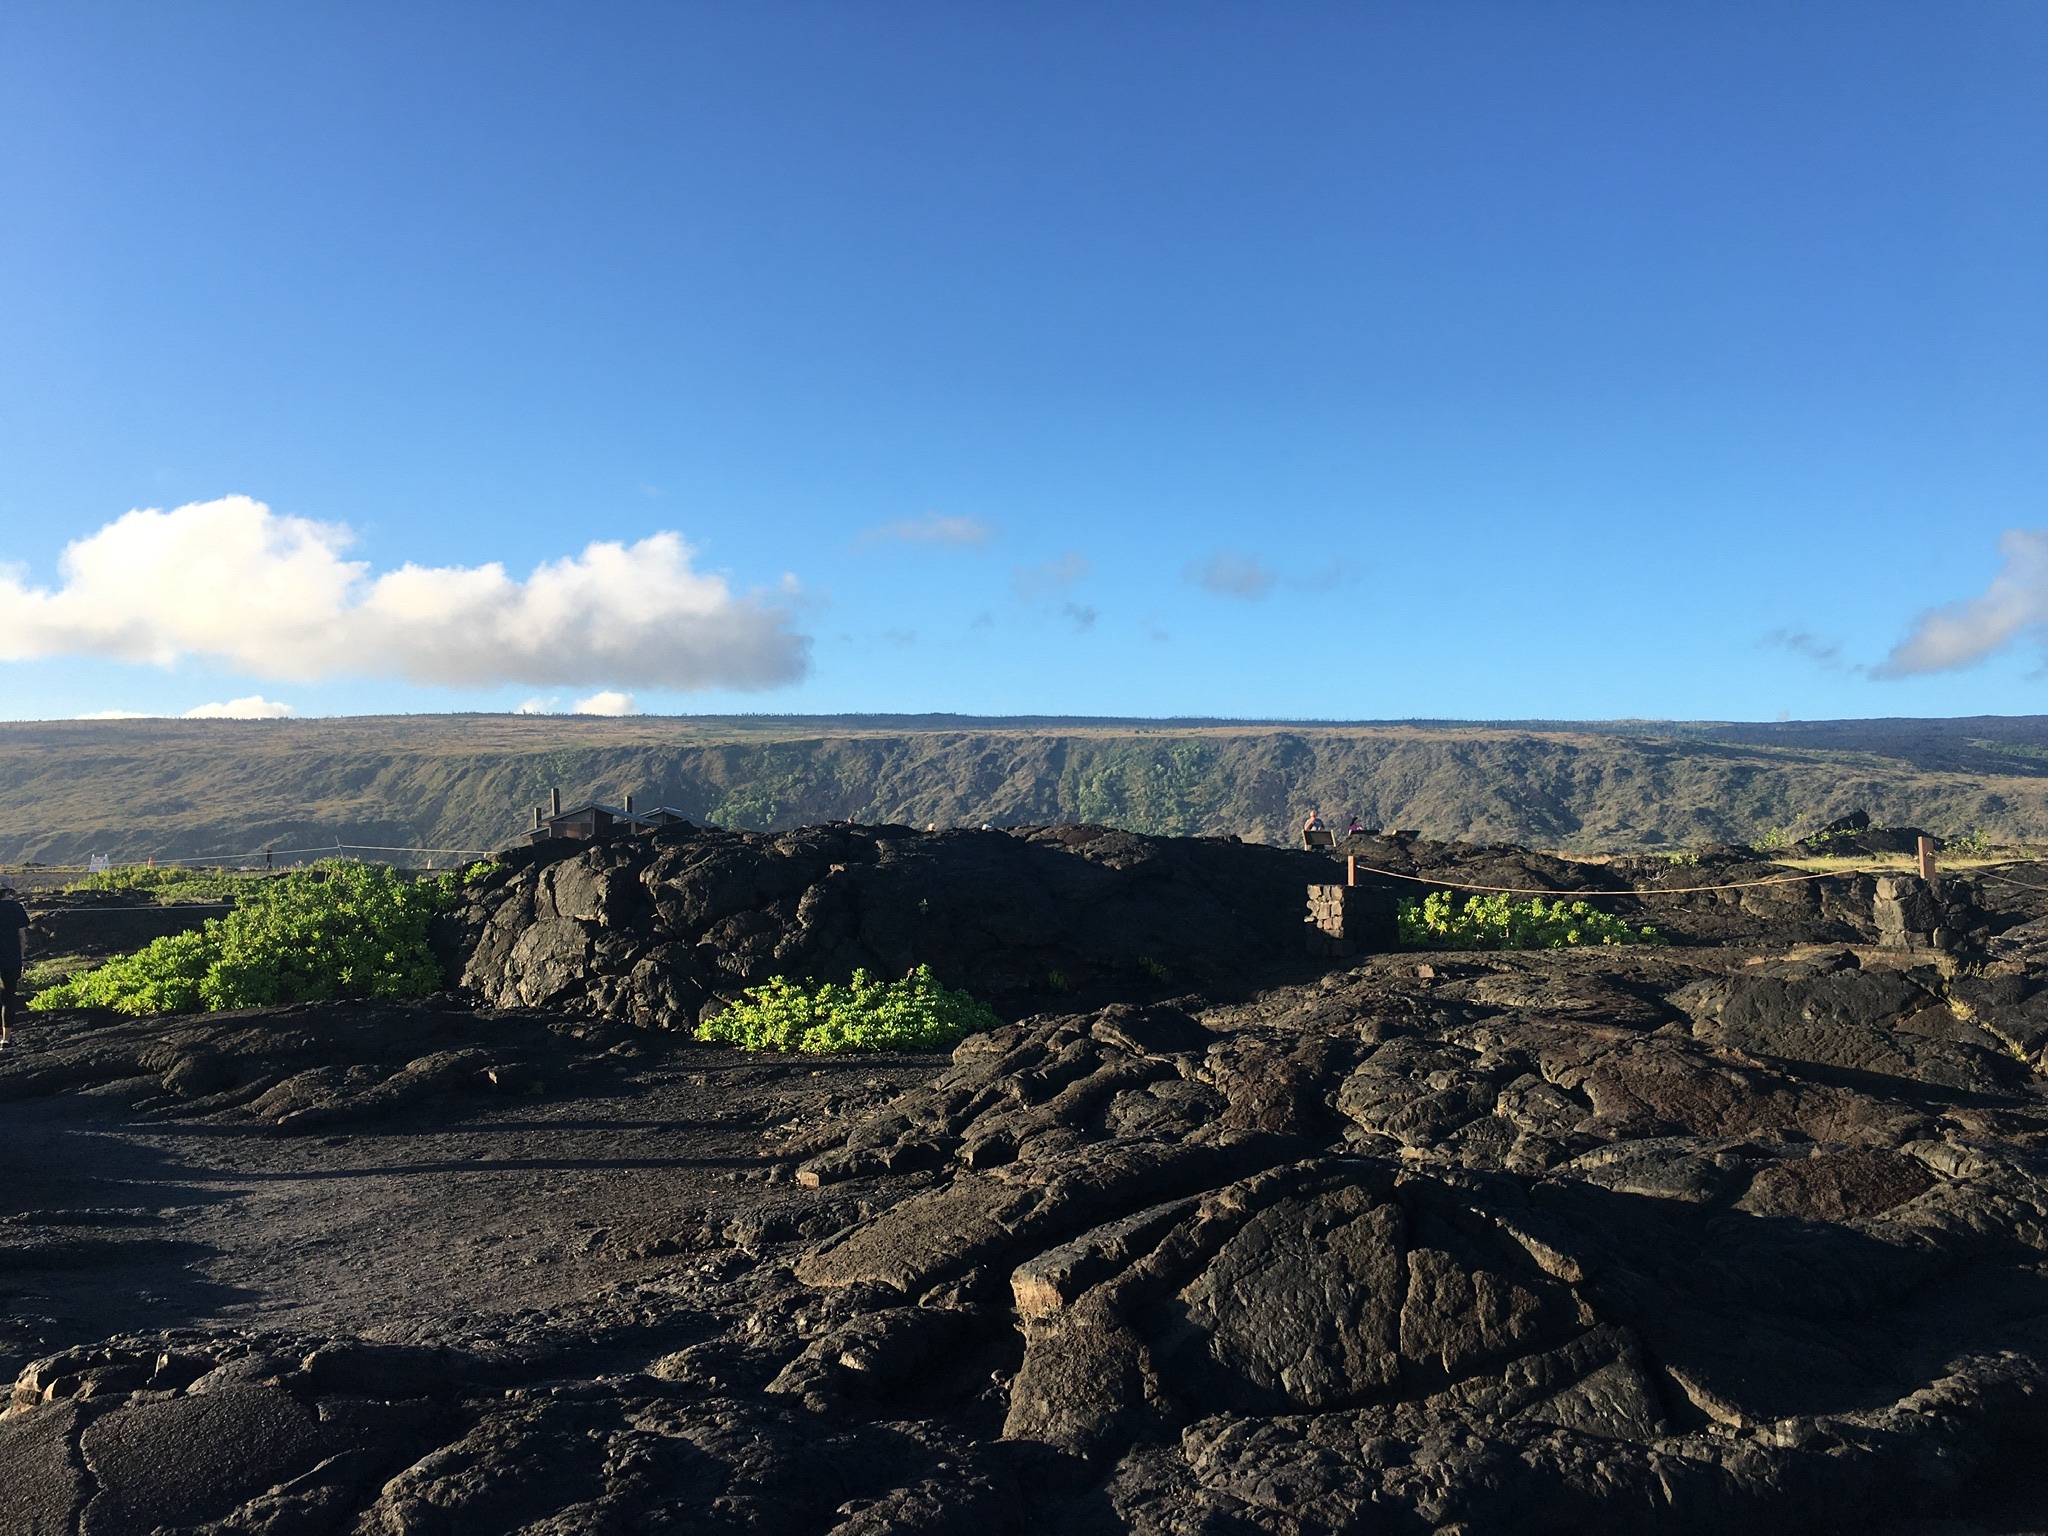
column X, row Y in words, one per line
column 1390, row 874
column 370, row 848
column 2003, row 880
column 325, row 848
column 1674, row 890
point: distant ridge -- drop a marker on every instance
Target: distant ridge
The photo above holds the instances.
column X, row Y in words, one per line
column 220, row 788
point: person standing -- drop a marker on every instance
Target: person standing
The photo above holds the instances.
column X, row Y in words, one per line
column 13, row 946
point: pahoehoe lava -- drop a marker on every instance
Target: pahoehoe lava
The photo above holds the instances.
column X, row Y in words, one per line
column 1743, row 1233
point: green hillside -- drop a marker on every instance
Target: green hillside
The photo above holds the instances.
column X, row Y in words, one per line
column 179, row 788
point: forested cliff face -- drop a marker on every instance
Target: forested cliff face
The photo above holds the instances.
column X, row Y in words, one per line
column 183, row 788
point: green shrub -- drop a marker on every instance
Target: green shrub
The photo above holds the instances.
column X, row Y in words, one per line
column 48, row 970
column 170, row 884
column 1495, row 922
column 339, row 930
column 914, row 1014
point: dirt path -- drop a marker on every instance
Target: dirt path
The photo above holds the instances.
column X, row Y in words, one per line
column 422, row 1228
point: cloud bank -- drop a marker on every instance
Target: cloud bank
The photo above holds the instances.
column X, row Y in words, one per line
column 608, row 702
column 1944, row 639
column 1827, row 653
column 1050, row 578
column 273, row 597
column 254, row 707
column 954, row 532
column 1231, row 575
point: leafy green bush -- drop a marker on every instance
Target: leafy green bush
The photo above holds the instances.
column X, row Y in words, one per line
column 914, row 1014
column 48, row 970
column 339, row 930
column 1495, row 922
column 170, row 884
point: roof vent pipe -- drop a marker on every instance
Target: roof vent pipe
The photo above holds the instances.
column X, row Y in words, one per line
column 536, row 818
column 629, row 805
column 555, row 801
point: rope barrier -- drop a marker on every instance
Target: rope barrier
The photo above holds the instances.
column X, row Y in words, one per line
column 327, row 848
column 1678, row 890
column 2002, row 880
column 369, row 848
column 1674, row 890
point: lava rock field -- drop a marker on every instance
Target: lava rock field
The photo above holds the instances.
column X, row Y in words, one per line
column 1743, row 1233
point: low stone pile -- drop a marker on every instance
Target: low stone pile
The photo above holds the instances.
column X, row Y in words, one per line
column 663, row 931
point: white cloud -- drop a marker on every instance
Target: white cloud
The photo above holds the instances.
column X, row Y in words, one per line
column 234, row 582
column 955, row 532
column 254, row 707
column 1231, row 575
column 1944, row 639
column 1336, row 574
column 1049, row 578
column 607, row 703
column 1828, row 653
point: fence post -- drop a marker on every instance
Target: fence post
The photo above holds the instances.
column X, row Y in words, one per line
column 1351, row 869
column 1927, row 859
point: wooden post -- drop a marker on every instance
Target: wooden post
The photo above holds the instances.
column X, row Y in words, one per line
column 1351, row 869
column 1927, row 859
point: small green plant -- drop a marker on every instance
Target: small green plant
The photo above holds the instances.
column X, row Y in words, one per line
column 1773, row 837
column 1056, row 981
column 1495, row 922
column 49, row 970
column 914, row 1014
column 1684, row 860
column 1154, row 969
column 1973, row 844
column 1821, row 841
column 169, row 884
column 342, row 929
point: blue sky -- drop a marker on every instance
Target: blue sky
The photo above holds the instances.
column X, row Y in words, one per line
column 1447, row 360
